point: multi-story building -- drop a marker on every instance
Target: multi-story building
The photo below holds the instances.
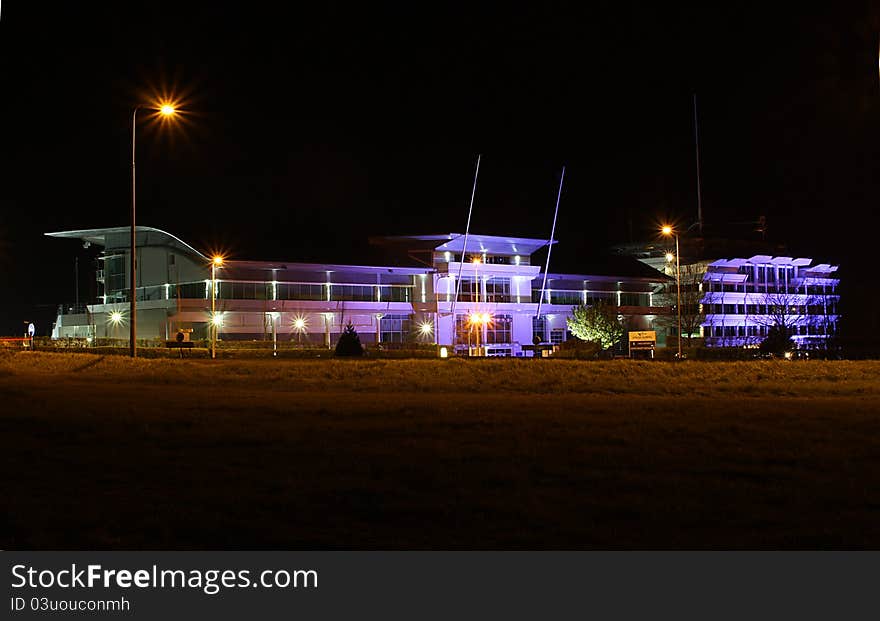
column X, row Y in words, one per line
column 746, row 298
column 433, row 290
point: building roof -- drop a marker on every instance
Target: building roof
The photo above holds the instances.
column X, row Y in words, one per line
column 146, row 236
column 454, row 242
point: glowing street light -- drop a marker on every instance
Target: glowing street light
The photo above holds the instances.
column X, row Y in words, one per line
column 668, row 231
column 300, row 325
column 114, row 319
column 216, row 320
column 670, row 257
column 167, row 111
column 426, row 328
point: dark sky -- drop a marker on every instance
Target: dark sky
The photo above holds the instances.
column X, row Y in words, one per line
column 308, row 130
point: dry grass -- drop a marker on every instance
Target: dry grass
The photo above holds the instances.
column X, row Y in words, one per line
column 115, row 453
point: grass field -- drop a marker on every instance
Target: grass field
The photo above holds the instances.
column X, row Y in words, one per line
column 436, row 454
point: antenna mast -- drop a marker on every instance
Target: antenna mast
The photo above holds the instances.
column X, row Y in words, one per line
column 467, row 230
column 550, row 245
column 699, row 189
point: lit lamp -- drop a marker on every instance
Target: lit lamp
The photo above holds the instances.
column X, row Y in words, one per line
column 115, row 319
column 668, row 231
column 426, row 329
column 166, row 111
column 216, row 320
column 299, row 324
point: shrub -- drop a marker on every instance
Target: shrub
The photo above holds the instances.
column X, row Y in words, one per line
column 578, row 350
column 349, row 342
column 778, row 341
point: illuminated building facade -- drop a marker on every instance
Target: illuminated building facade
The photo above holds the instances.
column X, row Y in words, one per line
column 744, row 299
column 428, row 293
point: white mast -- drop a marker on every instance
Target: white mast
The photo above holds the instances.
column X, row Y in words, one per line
column 550, row 245
column 699, row 189
column 467, row 230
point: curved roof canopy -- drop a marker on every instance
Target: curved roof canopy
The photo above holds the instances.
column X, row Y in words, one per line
column 119, row 238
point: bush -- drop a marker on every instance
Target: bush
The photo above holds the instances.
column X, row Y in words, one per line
column 577, row 349
column 349, row 343
column 778, row 341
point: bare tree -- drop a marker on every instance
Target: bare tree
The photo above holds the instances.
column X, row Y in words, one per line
column 692, row 313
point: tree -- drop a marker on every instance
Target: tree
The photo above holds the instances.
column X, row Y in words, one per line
column 692, row 313
column 783, row 314
column 349, row 343
column 778, row 341
column 597, row 323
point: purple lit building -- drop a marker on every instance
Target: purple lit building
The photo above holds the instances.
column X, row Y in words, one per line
column 428, row 290
column 745, row 298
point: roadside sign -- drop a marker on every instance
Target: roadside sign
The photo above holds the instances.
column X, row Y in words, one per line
column 642, row 341
column 643, row 335
column 31, row 329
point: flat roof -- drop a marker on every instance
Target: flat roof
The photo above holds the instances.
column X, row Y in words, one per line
column 454, row 242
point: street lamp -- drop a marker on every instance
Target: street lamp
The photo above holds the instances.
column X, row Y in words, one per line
column 669, row 231
column 215, row 320
column 168, row 111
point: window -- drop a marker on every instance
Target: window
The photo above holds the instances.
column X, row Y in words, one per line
column 498, row 290
column 539, row 328
column 633, row 299
column 463, row 329
column 353, row 293
column 570, row 298
column 607, row 297
column 557, row 335
column 397, row 293
column 237, row 290
column 395, row 328
column 498, row 330
column 300, row 291
column 468, row 290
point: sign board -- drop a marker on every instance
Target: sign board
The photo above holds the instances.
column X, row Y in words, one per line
column 643, row 335
column 642, row 343
column 31, row 329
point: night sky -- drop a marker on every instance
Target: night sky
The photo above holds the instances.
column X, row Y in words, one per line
column 309, row 130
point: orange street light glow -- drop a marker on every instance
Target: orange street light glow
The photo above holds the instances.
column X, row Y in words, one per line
column 167, row 110
column 666, row 230
column 218, row 260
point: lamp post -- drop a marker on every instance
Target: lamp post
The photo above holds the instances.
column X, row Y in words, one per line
column 166, row 110
column 215, row 263
column 669, row 231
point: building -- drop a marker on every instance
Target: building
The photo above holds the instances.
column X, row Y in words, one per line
column 743, row 299
column 736, row 302
column 433, row 290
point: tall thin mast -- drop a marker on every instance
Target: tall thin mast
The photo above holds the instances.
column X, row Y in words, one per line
column 699, row 189
column 550, row 246
column 467, row 231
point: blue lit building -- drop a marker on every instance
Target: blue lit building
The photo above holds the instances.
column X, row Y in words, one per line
column 483, row 298
column 743, row 299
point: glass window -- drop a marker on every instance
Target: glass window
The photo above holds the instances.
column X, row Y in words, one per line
column 498, row 290
column 498, row 330
column 539, row 328
column 557, row 335
column 395, row 328
column 569, row 298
